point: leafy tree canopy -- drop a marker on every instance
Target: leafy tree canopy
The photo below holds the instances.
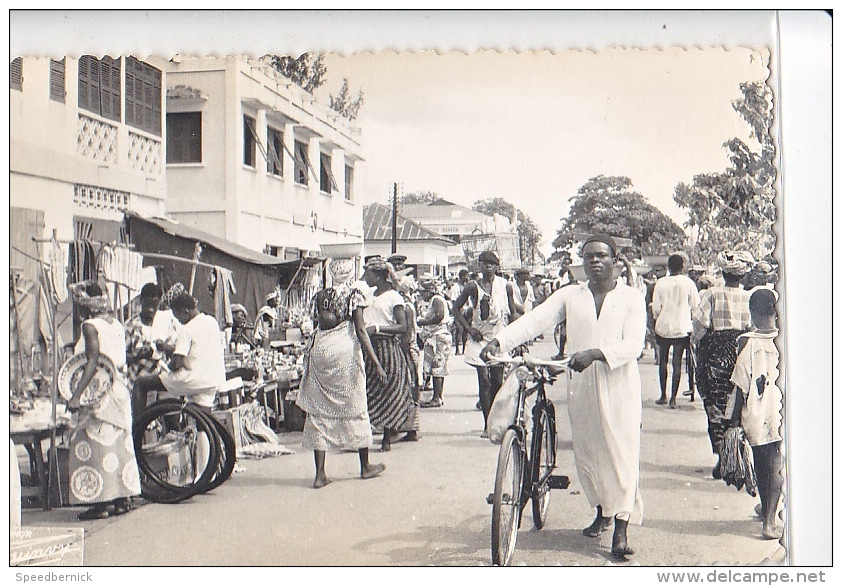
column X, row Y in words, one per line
column 610, row 205
column 419, row 197
column 307, row 70
column 344, row 104
column 735, row 208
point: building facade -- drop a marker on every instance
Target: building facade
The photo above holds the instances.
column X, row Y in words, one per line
column 424, row 249
column 86, row 143
column 252, row 158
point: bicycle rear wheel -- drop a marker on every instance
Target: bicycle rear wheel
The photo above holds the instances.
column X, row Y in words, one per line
column 506, row 509
column 542, row 459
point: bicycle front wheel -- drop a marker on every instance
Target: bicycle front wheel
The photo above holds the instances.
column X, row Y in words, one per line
column 506, row 509
column 543, row 461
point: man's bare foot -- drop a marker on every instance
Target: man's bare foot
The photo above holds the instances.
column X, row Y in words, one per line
column 620, row 543
column 599, row 525
column 321, row 482
column 384, row 447
column 673, row 405
column 771, row 532
column 661, row 401
column 372, row 470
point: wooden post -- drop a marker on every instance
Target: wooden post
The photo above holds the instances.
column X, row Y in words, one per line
column 197, row 251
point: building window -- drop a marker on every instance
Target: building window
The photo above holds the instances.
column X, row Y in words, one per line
column 302, row 163
column 349, row 182
column 16, row 74
column 249, row 142
column 57, row 92
column 99, row 86
column 143, row 96
column 275, row 162
column 184, row 137
column 326, row 181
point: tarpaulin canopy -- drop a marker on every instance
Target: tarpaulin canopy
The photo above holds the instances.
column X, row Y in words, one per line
column 255, row 274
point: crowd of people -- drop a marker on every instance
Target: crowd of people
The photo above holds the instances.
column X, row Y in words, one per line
column 379, row 341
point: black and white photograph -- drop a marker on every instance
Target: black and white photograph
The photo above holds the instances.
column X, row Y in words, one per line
column 532, row 303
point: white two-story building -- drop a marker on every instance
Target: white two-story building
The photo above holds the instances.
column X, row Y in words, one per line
column 85, row 143
column 252, row 158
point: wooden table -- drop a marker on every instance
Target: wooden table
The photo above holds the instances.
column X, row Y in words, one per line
column 32, row 440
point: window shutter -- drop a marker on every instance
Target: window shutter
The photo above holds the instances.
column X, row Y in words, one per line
column 16, row 74
column 89, row 81
column 57, row 92
column 110, row 73
column 130, row 99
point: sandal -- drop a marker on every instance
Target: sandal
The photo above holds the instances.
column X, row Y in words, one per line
column 436, row 402
column 94, row 513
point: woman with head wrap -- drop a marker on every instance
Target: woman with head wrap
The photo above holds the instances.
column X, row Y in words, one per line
column 333, row 385
column 103, row 469
column 719, row 319
column 435, row 327
column 409, row 344
column 390, row 402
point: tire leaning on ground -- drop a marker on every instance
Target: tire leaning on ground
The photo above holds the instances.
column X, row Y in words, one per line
column 153, row 486
column 542, row 456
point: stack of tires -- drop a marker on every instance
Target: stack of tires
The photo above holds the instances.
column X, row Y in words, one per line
column 167, row 436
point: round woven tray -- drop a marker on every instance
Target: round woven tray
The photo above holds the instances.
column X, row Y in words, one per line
column 71, row 371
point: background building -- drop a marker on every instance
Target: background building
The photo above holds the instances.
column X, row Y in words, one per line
column 85, row 144
column 423, row 248
column 253, row 159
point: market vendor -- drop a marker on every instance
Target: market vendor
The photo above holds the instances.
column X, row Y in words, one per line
column 197, row 368
column 150, row 336
column 241, row 330
column 266, row 318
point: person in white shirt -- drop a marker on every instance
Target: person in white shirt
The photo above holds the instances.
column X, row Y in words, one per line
column 197, row 368
column 524, row 295
column 673, row 301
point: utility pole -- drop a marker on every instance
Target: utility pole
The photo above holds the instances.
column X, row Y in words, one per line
column 394, row 218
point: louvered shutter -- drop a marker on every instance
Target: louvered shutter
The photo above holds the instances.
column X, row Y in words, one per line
column 110, row 73
column 16, row 74
column 89, row 82
column 57, row 92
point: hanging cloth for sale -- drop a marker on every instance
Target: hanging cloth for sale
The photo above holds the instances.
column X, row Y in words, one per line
column 221, row 286
column 82, row 261
column 57, row 271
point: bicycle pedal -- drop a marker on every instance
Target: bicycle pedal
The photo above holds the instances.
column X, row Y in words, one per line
column 558, row 482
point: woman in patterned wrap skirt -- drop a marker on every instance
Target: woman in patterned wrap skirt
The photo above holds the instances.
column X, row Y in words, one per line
column 103, row 469
column 719, row 319
column 332, row 390
column 390, row 403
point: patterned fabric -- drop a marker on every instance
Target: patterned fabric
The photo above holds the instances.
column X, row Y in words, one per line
column 390, row 403
column 342, row 270
column 715, row 359
column 722, row 308
column 102, row 460
column 735, row 262
column 332, row 391
column 136, row 340
column 341, row 301
column 102, row 464
column 436, row 353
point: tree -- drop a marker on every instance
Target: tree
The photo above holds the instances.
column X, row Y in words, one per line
column 306, row 70
column 736, row 208
column 610, row 205
column 529, row 235
column 344, row 105
column 419, row 197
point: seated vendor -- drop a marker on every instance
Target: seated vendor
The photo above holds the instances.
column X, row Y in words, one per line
column 241, row 330
column 197, row 368
column 266, row 318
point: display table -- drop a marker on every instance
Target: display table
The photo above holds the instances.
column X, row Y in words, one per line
column 32, row 440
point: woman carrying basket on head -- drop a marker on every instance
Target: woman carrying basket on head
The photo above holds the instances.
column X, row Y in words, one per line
column 103, row 469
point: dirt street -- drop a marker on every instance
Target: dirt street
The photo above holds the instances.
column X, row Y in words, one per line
column 429, row 506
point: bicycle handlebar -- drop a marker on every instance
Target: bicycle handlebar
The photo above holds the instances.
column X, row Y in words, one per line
column 528, row 361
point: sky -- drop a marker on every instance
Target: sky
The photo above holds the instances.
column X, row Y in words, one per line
column 533, row 127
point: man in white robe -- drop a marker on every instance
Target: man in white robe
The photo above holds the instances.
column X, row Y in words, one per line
column 606, row 327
